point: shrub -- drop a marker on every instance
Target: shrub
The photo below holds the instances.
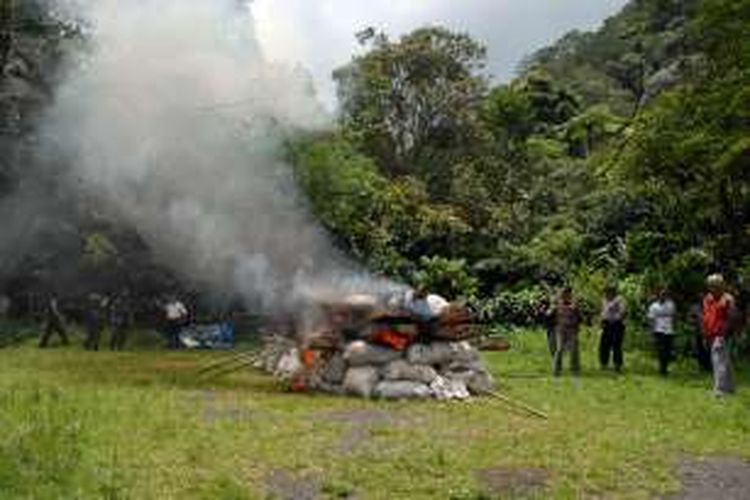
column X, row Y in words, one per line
column 518, row 308
column 448, row 277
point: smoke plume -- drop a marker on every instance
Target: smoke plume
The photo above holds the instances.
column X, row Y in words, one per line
column 174, row 118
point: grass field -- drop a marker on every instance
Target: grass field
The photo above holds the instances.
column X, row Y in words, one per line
column 141, row 425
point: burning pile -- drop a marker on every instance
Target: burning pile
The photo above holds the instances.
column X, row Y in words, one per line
column 391, row 353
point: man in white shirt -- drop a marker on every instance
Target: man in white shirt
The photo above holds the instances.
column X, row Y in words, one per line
column 661, row 313
column 176, row 314
column 613, row 328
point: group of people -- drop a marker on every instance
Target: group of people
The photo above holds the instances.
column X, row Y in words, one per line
column 115, row 314
column 716, row 323
column 100, row 312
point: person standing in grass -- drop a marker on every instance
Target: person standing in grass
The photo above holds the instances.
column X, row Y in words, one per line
column 661, row 314
column 119, row 315
column 176, row 315
column 567, row 323
column 718, row 310
column 54, row 323
column 545, row 317
column 94, row 322
column 613, row 328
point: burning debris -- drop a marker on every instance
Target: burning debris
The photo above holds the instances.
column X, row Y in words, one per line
column 416, row 349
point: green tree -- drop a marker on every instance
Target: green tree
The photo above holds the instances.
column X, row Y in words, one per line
column 408, row 99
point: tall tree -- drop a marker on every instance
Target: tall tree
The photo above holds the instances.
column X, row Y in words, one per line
column 419, row 94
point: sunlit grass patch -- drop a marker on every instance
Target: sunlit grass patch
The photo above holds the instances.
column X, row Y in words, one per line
column 78, row 424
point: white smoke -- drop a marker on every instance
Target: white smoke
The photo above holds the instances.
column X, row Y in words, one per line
column 173, row 116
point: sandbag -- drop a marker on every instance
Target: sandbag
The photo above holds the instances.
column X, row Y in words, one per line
column 360, row 353
column 334, row 389
column 446, row 389
column 403, row 370
column 289, row 365
column 441, row 353
column 462, row 365
column 464, row 352
column 481, row 383
column 477, row 381
column 334, row 370
column 437, row 353
column 360, row 381
column 402, row 389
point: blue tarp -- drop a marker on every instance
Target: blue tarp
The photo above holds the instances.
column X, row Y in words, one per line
column 212, row 336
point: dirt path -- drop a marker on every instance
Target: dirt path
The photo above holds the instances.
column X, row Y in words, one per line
column 515, row 483
column 724, row 478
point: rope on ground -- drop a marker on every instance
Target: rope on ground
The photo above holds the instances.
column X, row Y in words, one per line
column 517, row 405
column 228, row 364
column 234, row 368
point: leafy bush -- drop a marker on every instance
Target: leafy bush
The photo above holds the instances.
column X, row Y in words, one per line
column 519, row 308
column 588, row 287
column 685, row 274
column 448, row 277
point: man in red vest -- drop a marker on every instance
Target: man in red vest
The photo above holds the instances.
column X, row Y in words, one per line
column 718, row 310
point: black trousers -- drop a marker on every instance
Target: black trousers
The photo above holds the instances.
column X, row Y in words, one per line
column 664, row 347
column 551, row 340
column 53, row 327
column 613, row 334
column 172, row 329
column 93, row 334
column 119, row 336
column 703, row 354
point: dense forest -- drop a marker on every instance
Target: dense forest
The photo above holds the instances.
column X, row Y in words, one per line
column 621, row 155
column 616, row 156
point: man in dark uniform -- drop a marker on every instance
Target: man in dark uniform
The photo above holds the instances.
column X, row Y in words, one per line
column 54, row 323
column 119, row 316
column 94, row 320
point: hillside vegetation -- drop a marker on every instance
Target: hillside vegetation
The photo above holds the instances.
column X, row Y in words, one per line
column 616, row 155
column 620, row 154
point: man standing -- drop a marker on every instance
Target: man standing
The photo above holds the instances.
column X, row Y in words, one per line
column 613, row 328
column 119, row 315
column 94, row 321
column 718, row 307
column 545, row 317
column 54, row 323
column 567, row 322
column 176, row 315
column 661, row 313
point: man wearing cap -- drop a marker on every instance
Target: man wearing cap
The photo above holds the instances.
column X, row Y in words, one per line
column 718, row 308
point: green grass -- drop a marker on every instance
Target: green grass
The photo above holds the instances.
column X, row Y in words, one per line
column 141, row 425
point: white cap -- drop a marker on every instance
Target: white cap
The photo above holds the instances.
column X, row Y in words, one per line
column 715, row 280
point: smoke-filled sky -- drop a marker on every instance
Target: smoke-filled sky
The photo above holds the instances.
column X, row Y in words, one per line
column 175, row 116
column 319, row 34
column 176, row 121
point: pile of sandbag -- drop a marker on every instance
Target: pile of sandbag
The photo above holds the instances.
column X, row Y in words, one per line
column 414, row 350
column 443, row 370
column 421, row 369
